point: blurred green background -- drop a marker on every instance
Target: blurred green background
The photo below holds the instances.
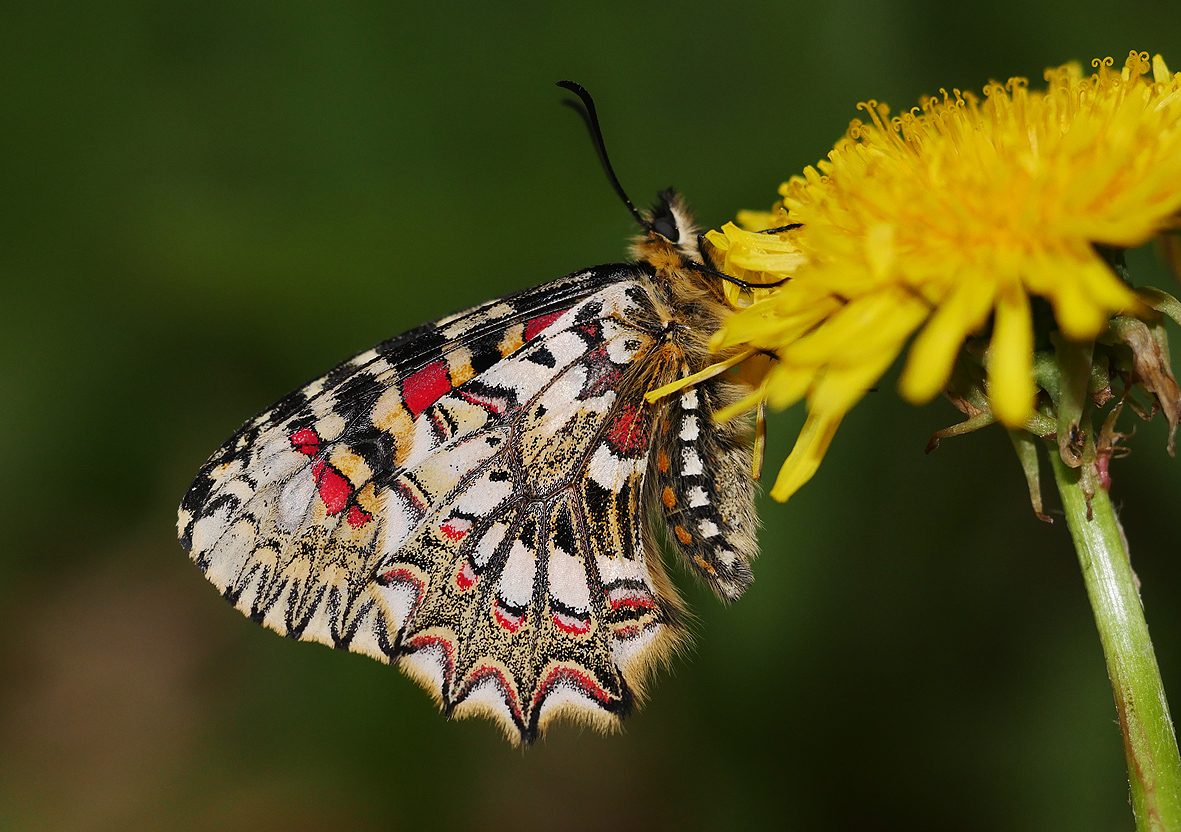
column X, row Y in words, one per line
column 205, row 204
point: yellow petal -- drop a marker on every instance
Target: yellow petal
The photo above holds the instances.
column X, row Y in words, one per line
column 938, row 215
column 718, row 239
column 778, row 264
column 880, row 249
column 786, row 385
column 841, row 387
column 863, row 328
column 1010, row 358
column 805, row 457
column 1078, row 315
column 1060, row 278
column 696, row 378
column 761, row 324
column 933, row 353
column 1108, row 290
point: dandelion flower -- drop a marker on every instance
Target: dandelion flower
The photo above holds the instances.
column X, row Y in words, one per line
column 951, row 226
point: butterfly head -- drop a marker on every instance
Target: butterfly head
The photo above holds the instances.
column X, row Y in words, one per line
column 667, row 216
column 669, row 229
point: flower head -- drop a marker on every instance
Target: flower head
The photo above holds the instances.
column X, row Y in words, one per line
column 955, row 222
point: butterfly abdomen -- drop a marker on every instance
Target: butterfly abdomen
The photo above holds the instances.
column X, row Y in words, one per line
column 700, row 479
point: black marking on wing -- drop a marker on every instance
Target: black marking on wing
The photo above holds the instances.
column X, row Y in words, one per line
column 406, row 353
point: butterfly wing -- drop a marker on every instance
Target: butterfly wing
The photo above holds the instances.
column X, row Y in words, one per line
column 463, row 500
column 706, row 491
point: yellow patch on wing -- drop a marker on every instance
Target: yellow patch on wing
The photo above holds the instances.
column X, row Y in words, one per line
column 351, row 464
column 513, row 340
column 459, row 365
column 390, row 415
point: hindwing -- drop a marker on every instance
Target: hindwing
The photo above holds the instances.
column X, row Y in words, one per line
column 465, row 500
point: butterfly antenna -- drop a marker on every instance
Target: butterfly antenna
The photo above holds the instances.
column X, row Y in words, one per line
column 591, row 116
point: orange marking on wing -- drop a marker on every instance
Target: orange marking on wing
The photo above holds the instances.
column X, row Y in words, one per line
column 662, row 462
column 705, row 565
column 460, row 364
column 391, row 416
column 351, row 464
column 512, row 340
column 683, row 535
column 669, row 497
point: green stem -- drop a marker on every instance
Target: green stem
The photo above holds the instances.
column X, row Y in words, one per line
column 1154, row 766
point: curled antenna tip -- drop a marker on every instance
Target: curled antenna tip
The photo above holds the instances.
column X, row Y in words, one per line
column 591, row 117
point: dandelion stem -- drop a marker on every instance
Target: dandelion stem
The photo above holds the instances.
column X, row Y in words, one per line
column 1154, row 766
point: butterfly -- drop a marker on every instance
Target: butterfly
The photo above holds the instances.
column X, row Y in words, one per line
column 482, row 501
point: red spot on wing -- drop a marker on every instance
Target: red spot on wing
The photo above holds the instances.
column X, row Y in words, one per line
column 570, row 624
column 439, row 423
column 424, row 387
column 465, row 578
column 405, row 577
column 306, row 441
column 411, row 494
column 510, row 621
column 602, row 374
column 488, row 671
column 634, row 600
column 438, row 644
column 333, row 486
column 455, row 528
column 630, row 631
column 357, row 516
column 492, row 404
column 572, row 676
column 536, row 325
column 628, row 432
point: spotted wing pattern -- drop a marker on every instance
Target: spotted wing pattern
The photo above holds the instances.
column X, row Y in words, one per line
column 706, row 491
column 465, row 501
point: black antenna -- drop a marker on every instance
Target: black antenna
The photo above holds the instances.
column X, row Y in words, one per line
column 737, row 281
column 707, row 266
column 791, row 226
column 592, row 122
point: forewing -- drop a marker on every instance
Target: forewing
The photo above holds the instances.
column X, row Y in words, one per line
column 464, row 499
column 370, row 406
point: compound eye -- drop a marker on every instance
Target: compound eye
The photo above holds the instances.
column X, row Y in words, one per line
column 666, row 227
column 664, row 220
